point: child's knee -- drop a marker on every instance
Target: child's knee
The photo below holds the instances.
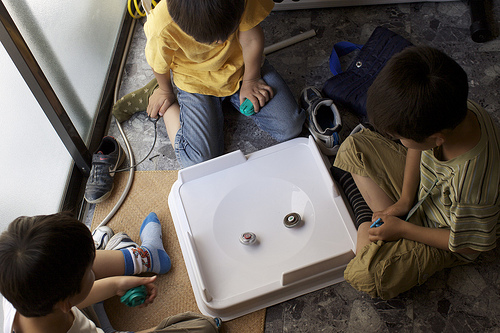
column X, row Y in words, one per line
column 375, row 282
column 188, row 322
column 190, row 158
column 359, row 277
column 188, row 154
column 289, row 127
column 348, row 148
column 289, row 133
column 386, row 269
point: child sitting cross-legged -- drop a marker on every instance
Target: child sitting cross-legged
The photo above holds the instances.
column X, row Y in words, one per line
column 429, row 172
column 51, row 274
column 211, row 51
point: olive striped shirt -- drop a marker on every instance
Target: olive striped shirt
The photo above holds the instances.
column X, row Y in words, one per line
column 466, row 196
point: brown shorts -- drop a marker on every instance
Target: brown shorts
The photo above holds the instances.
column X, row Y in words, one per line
column 187, row 322
column 369, row 154
column 386, row 269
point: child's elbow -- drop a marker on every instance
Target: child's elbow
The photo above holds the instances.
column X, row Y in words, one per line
column 467, row 251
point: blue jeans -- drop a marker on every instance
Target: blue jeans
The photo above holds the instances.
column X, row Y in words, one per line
column 201, row 136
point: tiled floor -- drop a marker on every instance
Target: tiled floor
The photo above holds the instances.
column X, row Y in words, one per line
column 462, row 299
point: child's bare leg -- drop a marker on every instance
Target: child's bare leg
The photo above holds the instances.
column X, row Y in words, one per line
column 362, row 236
column 374, row 196
column 376, row 199
column 172, row 122
column 108, row 263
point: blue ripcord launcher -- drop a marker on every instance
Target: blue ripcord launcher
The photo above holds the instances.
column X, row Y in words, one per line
column 135, row 296
column 246, row 108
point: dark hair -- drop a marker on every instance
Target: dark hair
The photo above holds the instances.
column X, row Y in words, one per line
column 419, row 92
column 43, row 260
column 207, row 21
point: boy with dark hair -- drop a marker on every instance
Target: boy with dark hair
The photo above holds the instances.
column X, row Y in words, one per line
column 437, row 193
column 214, row 51
column 207, row 23
column 429, row 89
column 50, row 271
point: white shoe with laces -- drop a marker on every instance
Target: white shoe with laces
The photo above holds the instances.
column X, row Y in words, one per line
column 323, row 121
column 120, row 241
column 101, row 237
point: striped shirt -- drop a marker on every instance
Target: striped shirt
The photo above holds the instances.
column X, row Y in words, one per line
column 465, row 199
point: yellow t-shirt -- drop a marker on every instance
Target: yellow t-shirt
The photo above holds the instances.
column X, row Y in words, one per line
column 214, row 69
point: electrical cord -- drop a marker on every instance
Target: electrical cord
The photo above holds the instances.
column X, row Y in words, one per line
column 155, row 122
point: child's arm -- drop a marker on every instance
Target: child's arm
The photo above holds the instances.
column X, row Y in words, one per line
column 163, row 97
column 253, row 87
column 118, row 285
column 394, row 229
column 411, row 181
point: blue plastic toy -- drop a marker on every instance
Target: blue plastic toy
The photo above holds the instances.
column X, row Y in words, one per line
column 135, row 296
column 377, row 223
column 247, row 108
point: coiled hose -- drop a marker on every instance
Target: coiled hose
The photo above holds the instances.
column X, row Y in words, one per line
column 135, row 14
column 136, row 11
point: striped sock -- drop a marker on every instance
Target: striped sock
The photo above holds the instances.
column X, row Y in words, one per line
column 150, row 256
column 362, row 213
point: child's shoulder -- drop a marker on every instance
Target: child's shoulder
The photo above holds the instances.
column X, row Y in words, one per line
column 83, row 324
column 487, row 152
column 159, row 18
column 477, row 109
column 9, row 314
column 486, row 121
column 255, row 12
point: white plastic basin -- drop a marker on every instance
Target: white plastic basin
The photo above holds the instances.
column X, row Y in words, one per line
column 215, row 202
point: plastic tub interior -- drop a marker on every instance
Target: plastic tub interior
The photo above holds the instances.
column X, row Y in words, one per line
column 214, row 203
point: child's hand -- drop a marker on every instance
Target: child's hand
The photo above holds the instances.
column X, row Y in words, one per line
column 400, row 208
column 159, row 102
column 257, row 91
column 391, row 230
column 128, row 282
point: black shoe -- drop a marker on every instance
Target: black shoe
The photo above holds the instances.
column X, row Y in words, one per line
column 323, row 121
column 105, row 161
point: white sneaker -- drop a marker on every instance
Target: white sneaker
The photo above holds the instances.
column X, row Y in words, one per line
column 101, row 237
column 323, row 121
column 120, row 241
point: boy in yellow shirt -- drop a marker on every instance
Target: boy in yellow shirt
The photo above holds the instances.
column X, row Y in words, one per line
column 214, row 51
